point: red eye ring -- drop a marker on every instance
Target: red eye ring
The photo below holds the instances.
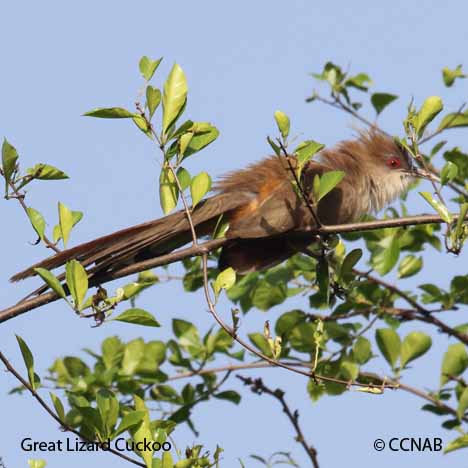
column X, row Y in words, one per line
column 394, row 163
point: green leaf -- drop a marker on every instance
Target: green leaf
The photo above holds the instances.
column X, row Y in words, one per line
column 430, row 108
column 389, row 344
column 409, row 266
column 148, row 67
column 133, row 353
column 229, row 395
column 153, row 98
column 461, row 219
column 316, row 186
column 51, row 280
column 323, row 279
column 28, row 361
column 184, row 178
column 199, row 187
column 438, row 206
column 362, row 350
column 387, row 257
column 168, row 191
column 167, row 461
column 437, row 147
column 454, row 119
column 265, row 295
column 143, row 432
column 462, row 403
column 187, row 126
column 449, row 76
column 448, row 173
column 315, row 390
column 65, row 222
column 225, row 280
column 37, row 221
column 301, row 337
column 461, row 160
column 130, row 420
column 274, row 146
column 282, row 120
column 360, row 81
column 108, row 407
column 201, row 138
column 184, row 141
column 456, row 444
column 166, row 393
column 328, row 181
column 454, row 362
column 381, row 100
column 77, row 282
column 188, row 336
column 174, row 97
column 77, row 216
column 306, row 150
column 142, row 124
column 36, row 463
column 9, row 159
column 59, row 409
column 332, row 74
column 110, row 113
column 287, row 321
column 137, row 317
column 261, row 343
column 414, row 345
column 349, row 262
column 46, row 172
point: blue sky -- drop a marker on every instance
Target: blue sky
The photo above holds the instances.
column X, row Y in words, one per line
column 243, row 60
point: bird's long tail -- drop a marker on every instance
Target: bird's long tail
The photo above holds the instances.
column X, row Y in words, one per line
column 145, row 240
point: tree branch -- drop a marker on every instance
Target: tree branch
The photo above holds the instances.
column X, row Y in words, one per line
column 422, row 314
column 209, row 246
column 311, row 374
column 366, row 375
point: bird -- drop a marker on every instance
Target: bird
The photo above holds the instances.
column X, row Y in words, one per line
column 266, row 215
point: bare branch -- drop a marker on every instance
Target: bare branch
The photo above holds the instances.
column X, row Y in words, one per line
column 274, row 362
column 365, row 375
column 257, row 386
column 421, row 313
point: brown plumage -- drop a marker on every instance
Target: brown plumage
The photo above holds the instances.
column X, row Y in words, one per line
column 264, row 212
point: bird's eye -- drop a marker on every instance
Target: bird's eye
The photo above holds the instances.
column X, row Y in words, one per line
column 394, row 163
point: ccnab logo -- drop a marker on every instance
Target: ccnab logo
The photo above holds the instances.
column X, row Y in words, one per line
column 415, row 444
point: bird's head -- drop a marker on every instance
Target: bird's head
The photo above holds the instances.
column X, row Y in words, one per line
column 381, row 166
column 386, row 157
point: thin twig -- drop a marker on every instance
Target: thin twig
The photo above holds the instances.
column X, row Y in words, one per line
column 392, row 288
column 262, row 356
column 20, row 198
column 365, row 375
column 299, row 186
column 338, row 104
column 257, row 386
column 423, row 314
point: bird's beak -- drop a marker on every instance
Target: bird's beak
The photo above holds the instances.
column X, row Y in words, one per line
column 423, row 174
